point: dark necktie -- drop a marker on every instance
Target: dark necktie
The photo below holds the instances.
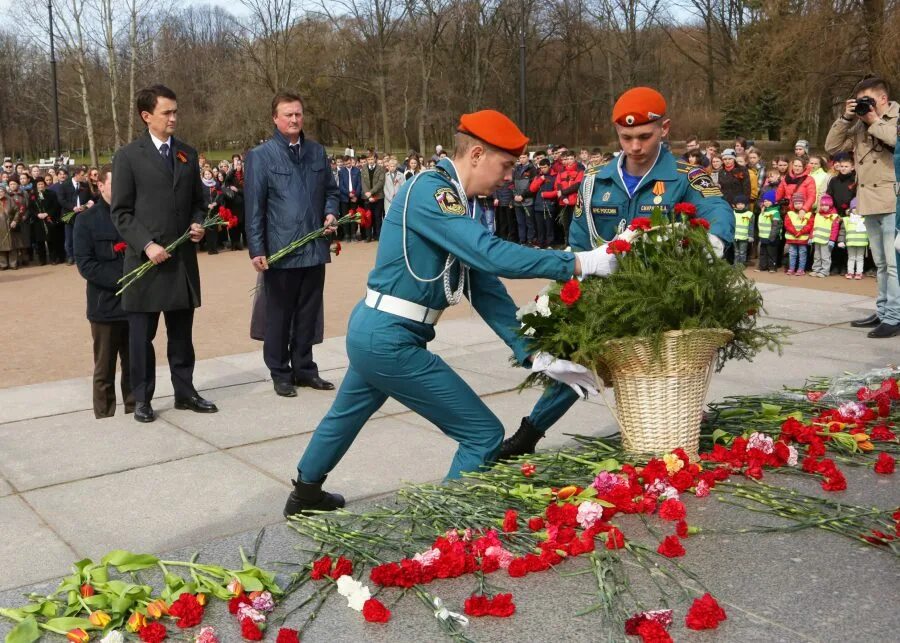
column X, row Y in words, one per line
column 295, row 152
column 164, row 152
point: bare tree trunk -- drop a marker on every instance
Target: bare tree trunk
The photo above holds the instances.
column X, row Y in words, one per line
column 132, row 64
column 106, row 14
column 81, row 69
column 382, row 98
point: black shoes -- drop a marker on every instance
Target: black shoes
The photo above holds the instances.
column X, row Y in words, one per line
column 884, row 329
column 522, row 442
column 143, row 412
column 314, row 382
column 196, row 404
column 308, row 496
column 284, row 389
column 868, row 322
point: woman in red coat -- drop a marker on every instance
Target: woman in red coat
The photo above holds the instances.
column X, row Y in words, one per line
column 797, row 181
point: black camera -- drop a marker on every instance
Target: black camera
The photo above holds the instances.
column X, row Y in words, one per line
column 864, row 105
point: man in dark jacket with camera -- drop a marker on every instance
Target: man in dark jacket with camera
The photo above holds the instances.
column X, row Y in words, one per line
column 290, row 192
column 99, row 251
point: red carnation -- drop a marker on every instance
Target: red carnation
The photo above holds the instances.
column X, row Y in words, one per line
column 671, row 547
column 885, row 464
column 510, row 521
column 375, row 612
column 686, row 209
column 640, row 223
column 237, row 601
column 490, row 564
column 618, row 246
column 672, row 509
column 536, row 523
column 336, row 248
column 120, row 247
column 615, row 539
column 702, row 223
column 681, row 528
column 188, row 610
column 881, row 433
column 705, row 614
column 653, row 632
column 287, row 635
column 153, row 632
column 476, row 605
column 321, row 568
column 571, row 292
column 517, row 568
column 502, row 606
column 528, row 469
column 342, row 567
column 250, row 630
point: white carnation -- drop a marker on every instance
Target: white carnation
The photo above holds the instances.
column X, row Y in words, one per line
column 543, row 305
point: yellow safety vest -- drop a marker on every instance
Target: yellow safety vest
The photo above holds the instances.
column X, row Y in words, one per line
column 855, row 231
column 766, row 217
column 799, row 223
column 742, row 221
column 822, row 227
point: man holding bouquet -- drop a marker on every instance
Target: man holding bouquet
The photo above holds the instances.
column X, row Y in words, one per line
column 156, row 196
column 645, row 176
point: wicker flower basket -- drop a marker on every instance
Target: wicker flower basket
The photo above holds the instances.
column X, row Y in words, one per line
column 660, row 398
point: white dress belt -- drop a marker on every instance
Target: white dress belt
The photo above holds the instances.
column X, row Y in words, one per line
column 402, row 308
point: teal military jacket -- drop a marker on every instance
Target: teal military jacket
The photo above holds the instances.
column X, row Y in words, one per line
column 438, row 222
column 669, row 181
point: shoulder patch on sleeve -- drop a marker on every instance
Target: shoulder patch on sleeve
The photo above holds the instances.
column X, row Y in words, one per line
column 683, row 166
column 703, row 183
column 448, row 202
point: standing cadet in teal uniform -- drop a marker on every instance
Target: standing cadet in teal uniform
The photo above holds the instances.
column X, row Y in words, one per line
column 645, row 175
column 432, row 252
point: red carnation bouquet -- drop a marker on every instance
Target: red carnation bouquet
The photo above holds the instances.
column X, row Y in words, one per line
column 224, row 217
column 350, row 217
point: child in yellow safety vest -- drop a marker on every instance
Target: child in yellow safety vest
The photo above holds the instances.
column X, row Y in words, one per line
column 826, row 226
column 743, row 230
column 769, row 233
column 798, row 224
column 855, row 237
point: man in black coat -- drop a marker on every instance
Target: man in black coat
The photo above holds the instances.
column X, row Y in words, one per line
column 74, row 196
column 98, row 255
column 290, row 192
column 156, row 196
column 46, row 227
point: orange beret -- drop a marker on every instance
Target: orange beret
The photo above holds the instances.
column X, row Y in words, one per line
column 638, row 106
column 494, row 128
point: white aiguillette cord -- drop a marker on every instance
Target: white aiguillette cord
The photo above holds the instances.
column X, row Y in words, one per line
column 453, row 297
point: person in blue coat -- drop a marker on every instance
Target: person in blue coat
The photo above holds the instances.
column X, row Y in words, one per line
column 432, row 253
column 289, row 192
column 644, row 176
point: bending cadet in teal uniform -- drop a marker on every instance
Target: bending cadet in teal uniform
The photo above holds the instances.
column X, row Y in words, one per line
column 432, row 252
column 644, row 176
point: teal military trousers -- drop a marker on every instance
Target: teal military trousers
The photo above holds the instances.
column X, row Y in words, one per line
column 552, row 405
column 389, row 358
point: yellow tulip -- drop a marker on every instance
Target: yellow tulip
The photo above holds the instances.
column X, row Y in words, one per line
column 136, row 622
column 78, row 635
column 157, row 608
column 235, row 587
column 201, row 598
column 866, row 446
column 100, row 618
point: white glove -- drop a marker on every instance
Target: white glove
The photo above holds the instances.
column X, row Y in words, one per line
column 718, row 245
column 627, row 235
column 897, row 241
column 597, row 262
column 580, row 379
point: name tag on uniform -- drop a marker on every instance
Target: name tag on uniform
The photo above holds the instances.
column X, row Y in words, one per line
column 606, row 209
column 649, row 207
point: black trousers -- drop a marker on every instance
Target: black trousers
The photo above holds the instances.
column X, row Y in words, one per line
column 110, row 344
column 180, row 352
column 293, row 302
column 505, row 220
column 377, row 208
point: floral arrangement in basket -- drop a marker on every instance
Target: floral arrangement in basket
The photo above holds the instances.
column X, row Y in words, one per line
column 668, row 279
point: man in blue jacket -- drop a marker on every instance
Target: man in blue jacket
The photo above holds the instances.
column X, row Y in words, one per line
column 289, row 191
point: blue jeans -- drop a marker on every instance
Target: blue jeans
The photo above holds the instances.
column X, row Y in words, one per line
column 793, row 251
column 525, row 223
column 882, row 229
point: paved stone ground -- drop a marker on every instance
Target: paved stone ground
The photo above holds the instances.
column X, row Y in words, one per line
column 74, row 487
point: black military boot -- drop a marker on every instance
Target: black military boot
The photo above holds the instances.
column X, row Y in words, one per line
column 309, row 495
column 522, row 442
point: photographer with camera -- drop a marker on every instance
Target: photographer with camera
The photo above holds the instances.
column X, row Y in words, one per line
column 868, row 128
